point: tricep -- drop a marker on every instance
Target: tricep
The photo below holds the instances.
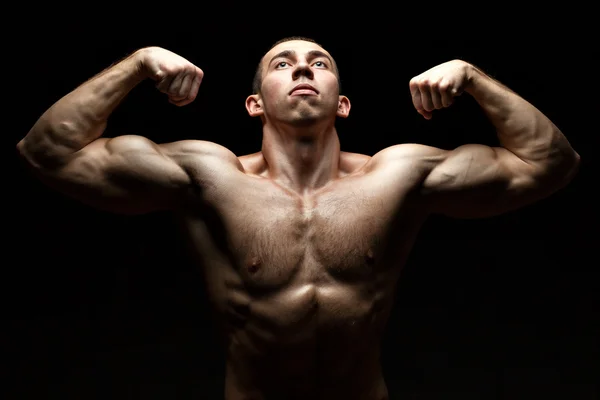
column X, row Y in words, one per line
column 126, row 174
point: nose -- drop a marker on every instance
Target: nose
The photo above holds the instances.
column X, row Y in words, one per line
column 302, row 69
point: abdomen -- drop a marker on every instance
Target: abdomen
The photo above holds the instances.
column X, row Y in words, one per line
column 314, row 334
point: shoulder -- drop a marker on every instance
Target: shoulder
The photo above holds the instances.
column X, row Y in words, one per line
column 412, row 155
column 352, row 162
column 194, row 152
column 409, row 162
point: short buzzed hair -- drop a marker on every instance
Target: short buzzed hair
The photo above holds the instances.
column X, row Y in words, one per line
column 257, row 81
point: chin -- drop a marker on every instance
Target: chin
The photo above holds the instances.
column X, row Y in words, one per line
column 305, row 120
column 306, row 116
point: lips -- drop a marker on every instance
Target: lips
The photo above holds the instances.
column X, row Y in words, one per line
column 304, row 88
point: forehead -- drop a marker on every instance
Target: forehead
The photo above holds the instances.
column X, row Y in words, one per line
column 298, row 46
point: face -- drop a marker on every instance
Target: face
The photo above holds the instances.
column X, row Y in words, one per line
column 299, row 86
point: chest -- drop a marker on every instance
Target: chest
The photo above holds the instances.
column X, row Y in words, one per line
column 274, row 238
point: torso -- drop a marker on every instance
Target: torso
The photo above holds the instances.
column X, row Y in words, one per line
column 304, row 284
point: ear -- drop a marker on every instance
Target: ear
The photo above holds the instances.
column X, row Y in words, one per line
column 343, row 107
column 254, row 105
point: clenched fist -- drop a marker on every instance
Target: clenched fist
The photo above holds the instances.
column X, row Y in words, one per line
column 173, row 74
column 437, row 87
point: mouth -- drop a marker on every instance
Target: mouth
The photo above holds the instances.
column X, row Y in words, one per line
column 304, row 89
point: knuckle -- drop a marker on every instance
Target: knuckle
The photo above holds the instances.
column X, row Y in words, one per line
column 169, row 70
column 423, row 83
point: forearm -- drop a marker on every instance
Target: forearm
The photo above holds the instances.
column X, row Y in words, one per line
column 80, row 117
column 521, row 127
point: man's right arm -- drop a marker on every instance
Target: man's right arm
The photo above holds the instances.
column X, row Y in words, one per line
column 129, row 174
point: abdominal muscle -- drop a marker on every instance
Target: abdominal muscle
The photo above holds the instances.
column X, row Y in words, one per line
column 306, row 341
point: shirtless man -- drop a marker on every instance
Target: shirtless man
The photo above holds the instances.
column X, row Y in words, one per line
column 302, row 243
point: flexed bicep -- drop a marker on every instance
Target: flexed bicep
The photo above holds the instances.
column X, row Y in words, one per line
column 127, row 174
column 475, row 181
column 471, row 181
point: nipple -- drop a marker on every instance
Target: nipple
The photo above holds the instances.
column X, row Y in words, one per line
column 254, row 265
column 370, row 257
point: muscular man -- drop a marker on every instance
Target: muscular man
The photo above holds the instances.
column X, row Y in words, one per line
column 303, row 243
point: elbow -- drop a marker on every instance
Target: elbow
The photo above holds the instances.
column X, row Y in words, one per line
column 24, row 153
column 38, row 154
column 555, row 173
column 21, row 147
column 563, row 172
column 570, row 164
column 573, row 167
column 577, row 158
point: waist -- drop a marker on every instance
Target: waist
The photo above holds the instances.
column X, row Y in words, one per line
column 305, row 370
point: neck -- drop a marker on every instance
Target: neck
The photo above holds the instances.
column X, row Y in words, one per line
column 301, row 159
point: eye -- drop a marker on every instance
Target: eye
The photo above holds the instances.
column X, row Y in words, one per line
column 281, row 64
column 320, row 64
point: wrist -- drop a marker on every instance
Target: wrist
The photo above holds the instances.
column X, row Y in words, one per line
column 473, row 75
column 136, row 64
column 477, row 80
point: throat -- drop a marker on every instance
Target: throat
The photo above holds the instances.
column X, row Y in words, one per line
column 301, row 162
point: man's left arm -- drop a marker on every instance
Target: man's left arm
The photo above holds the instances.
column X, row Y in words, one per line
column 534, row 160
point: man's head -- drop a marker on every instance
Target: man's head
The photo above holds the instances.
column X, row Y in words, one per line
column 291, row 62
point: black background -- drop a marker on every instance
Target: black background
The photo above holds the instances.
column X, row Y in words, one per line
column 106, row 306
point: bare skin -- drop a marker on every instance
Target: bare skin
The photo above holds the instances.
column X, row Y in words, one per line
column 302, row 244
